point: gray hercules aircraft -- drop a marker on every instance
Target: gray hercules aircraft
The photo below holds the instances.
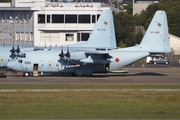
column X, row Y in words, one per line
column 98, row 54
column 8, row 53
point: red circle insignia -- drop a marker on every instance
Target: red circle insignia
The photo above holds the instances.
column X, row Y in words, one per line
column 117, row 59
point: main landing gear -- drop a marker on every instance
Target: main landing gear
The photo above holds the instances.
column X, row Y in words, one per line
column 26, row 74
column 80, row 75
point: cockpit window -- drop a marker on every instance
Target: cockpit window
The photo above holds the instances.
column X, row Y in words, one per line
column 22, row 55
column 19, row 61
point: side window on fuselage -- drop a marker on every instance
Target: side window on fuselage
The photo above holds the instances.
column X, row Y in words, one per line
column 2, row 59
column 22, row 55
column 20, row 61
column 27, row 62
column 49, row 64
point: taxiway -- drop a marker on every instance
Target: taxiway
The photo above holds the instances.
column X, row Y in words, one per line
column 135, row 76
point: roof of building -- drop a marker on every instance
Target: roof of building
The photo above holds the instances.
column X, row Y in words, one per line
column 115, row 10
column 146, row 0
column 178, row 38
column 127, row 2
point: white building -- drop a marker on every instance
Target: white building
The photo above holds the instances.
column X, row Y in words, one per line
column 42, row 22
column 174, row 44
column 139, row 5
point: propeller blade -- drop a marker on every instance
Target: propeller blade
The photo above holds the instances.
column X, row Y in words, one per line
column 18, row 49
column 61, row 54
column 12, row 50
column 68, row 64
column 68, row 53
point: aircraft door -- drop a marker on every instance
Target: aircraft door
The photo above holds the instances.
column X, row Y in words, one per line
column 35, row 69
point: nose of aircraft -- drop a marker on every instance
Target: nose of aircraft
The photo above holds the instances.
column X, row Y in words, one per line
column 11, row 65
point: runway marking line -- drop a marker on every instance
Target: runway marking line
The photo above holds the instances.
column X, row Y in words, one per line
column 86, row 90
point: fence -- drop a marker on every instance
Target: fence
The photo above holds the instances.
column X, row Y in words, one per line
column 172, row 57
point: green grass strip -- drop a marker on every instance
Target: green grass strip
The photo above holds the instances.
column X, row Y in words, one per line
column 90, row 105
column 89, row 86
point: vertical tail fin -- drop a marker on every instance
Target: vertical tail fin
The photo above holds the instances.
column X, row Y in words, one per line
column 156, row 39
column 103, row 34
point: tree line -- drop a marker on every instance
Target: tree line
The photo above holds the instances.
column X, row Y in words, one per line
column 5, row 0
column 126, row 23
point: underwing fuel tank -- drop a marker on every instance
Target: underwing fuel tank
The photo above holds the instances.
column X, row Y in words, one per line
column 95, row 61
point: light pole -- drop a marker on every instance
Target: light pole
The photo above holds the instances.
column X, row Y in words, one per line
column 24, row 21
column 13, row 21
column 2, row 34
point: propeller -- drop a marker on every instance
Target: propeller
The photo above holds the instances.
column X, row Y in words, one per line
column 61, row 54
column 50, row 47
column 12, row 50
column 68, row 53
column 18, row 49
column 67, row 56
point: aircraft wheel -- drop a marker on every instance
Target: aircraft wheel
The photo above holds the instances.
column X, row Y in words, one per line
column 79, row 75
column 26, row 74
column 73, row 74
column 88, row 75
column 154, row 62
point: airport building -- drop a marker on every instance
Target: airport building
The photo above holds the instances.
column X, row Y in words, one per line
column 139, row 5
column 48, row 22
column 174, row 44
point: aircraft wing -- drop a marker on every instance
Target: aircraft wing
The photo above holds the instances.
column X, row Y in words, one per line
column 90, row 57
column 97, row 53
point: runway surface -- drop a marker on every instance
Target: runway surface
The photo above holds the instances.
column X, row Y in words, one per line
column 169, row 75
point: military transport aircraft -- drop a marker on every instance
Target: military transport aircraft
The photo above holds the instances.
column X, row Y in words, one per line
column 107, row 40
column 92, row 56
